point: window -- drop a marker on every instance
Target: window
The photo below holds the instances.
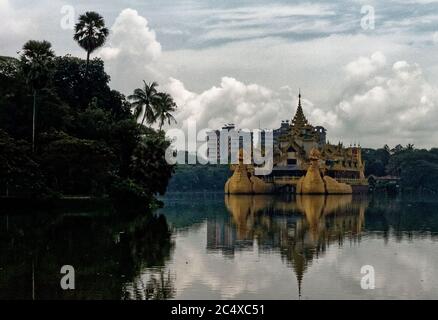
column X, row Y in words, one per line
column 291, row 162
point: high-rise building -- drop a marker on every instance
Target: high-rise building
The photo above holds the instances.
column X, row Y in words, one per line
column 223, row 145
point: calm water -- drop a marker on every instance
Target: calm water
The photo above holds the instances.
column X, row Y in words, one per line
column 227, row 247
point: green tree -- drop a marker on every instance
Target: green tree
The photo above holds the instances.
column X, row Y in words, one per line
column 77, row 166
column 164, row 109
column 9, row 67
column 89, row 141
column 376, row 160
column 148, row 166
column 15, row 115
column 68, row 83
column 418, row 170
column 19, row 173
column 397, row 149
column 36, row 62
column 147, row 173
column 145, row 101
column 90, row 33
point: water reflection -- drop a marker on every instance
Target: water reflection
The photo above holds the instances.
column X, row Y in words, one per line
column 107, row 251
column 242, row 247
column 300, row 229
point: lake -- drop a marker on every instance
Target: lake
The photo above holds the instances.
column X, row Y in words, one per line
column 212, row 246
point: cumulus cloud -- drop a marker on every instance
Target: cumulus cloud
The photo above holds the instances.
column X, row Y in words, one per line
column 365, row 92
column 390, row 106
column 132, row 54
column 365, row 66
column 246, row 105
column 374, row 98
column 384, row 104
column 132, row 48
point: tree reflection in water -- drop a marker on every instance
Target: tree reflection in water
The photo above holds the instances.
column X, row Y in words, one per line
column 160, row 287
column 116, row 257
column 108, row 252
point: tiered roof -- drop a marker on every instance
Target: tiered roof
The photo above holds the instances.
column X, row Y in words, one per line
column 299, row 120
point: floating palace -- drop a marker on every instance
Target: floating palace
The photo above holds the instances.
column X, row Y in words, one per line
column 303, row 163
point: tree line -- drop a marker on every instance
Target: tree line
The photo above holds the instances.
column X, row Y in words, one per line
column 64, row 131
column 416, row 168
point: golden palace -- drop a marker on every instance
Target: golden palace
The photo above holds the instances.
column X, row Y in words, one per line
column 303, row 163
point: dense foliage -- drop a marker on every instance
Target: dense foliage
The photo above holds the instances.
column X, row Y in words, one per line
column 87, row 140
column 417, row 168
column 199, row 178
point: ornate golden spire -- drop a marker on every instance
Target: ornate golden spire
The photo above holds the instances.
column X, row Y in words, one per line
column 299, row 120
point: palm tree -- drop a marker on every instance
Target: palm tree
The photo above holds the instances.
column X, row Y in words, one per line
column 90, row 33
column 398, row 148
column 145, row 101
column 164, row 108
column 36, row 62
